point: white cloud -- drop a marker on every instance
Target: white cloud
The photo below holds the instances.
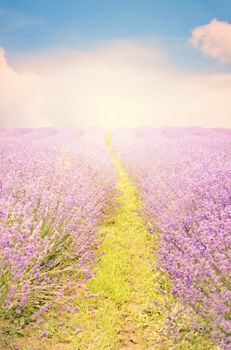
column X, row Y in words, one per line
column 124, row 83
column 19, row 96
column 214, row 40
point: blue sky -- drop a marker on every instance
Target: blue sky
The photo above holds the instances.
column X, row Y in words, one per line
column 105, row 19
column 27, row 25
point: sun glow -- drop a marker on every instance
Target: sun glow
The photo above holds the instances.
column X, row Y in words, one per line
column 121, row 84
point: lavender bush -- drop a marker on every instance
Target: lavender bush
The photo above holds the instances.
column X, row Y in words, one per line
column 185, row 180
column 54, row 187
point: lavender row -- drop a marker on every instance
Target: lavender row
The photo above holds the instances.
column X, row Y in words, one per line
column 185, row 180
column 54, row 187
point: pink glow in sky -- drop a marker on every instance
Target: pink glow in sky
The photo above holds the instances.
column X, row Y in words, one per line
column 124, row 83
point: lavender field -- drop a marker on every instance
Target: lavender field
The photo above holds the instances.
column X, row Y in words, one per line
column 115, row 240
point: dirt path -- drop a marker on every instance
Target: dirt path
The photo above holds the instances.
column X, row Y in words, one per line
column 122, row 313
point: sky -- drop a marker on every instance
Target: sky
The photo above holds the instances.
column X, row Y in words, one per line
column 115, row 63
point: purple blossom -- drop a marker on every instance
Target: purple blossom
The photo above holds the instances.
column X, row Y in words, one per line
column 184, row 176
column 56, row 187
